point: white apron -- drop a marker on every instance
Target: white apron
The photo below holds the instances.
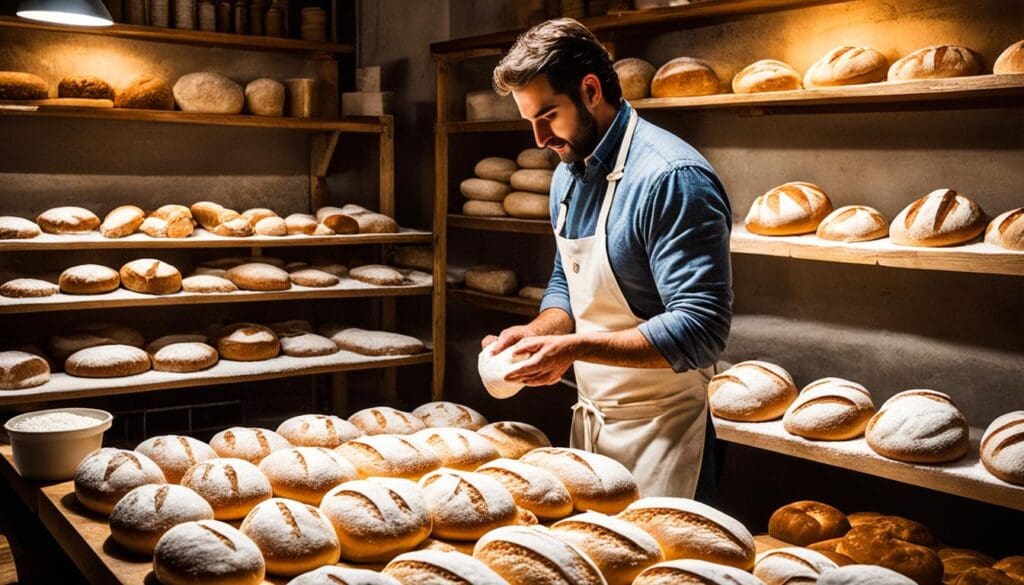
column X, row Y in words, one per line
column 650, row 420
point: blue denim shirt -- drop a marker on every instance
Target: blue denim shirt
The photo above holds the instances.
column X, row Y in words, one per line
column 668, row 238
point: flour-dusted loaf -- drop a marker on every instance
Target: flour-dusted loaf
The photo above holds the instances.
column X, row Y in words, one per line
column 210, row 214
column 376, row 343
column 264, row 97
column 847, row 66
column 17, row 228
column 943, row 217
column 621, row 550
column 185, row 357
column 1002, row 447
column 232, row 486
column 67, row 220
column 939, row 61
column 150, row 276
column 1011, row 60
column 635, row 76
column 477, row 189
column 313, row 278
column 806, row 522
column 495, row 168
column 526, row 555
column 337, row 575
column 788, row 210
column 89, row 279
column 791, row 566
column 537, row 158
column 292, row 536
column 24, row 288
column 207, row 551
column 830, row 409
column 596, row 482
column 384, row 420
column 853, row 223
column 377, row 519
column 145, row 92
column 378, row 275
column 1007, row 230
column 457, row 448
column 464, row 505
column 146, row 513
column 106, row 475
column 234, row 228
column 336, row 219
column 513, row 438
column 122, row 221
column 270, row 226
column 862, row 574
column 175, row 454
column 751, row 391
column 533, row 488
column 208, row 93
column 250, row 443
column 684, row 77
column 919, row 426
column 318, row 430
column 449, row 414
column 305, row 474
column 695, row 572
column 248, row 342
column 301, row 344
column 20, row 370
column 766, row 75
column 107, row 361
column 389, row 456
column 177, row 220
column 207, row 284
column 436, row 566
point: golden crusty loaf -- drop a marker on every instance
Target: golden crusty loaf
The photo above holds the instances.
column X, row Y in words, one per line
column 1011, row 60
column 384, row 420
column 853, row 223
column 939, row 61
column 527, row 555
column 791, row 566
column 249, row 443
column 232, row 486
column 751, row 391
column 20, row 369
column 107, row 474
column 449, row 414
column 919, row 426
column 513, row 438
column 150, row 276
column 175, row 454
column 247, row 342
column 89, row 279
column 234, row 228
column 807, row 522
column 107, row 361
column 682, row 77
column 858, row 518
column 189, row 356
column 389, row 456
column 305, row 474
column 85, row 87
column 943, row 217
column 1012, row 566
column 210, row 214
column 177, row 220
column 985, row 576
column 533, row 488
column 293, row 537
column 16, row 85
column 619, row 549
column 207, row 551
column 145, row 92
column 594, row 481
column 635, row 76
column 146, row 513
column 255, row 214
column 789, row 209
column 766, row 75
column 897, row 544
column 318, row 430
column 466, row 505
column 442, row 567
column 270, row 226
column 830, row 409
column 695, row 572
column 122, row 221
column 956, row 561
column 67, row 220
column 861, row 574
column 377, row 518
column 337, row 220
column 457, row 448
column 847, row 66
column 1007, row 230
column 689, row 529
column 1002, row 447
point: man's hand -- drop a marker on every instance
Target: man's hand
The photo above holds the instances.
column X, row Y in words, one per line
column 508, row 338
column 551, row 356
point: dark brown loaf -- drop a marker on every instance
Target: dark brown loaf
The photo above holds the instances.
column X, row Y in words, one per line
column 15, row 85
column 86, row 87
column 943, row 217
column 145, row 92
column 806, row 522
column 881, row 543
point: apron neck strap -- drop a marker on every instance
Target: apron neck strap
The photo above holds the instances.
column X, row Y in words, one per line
column 616, row 175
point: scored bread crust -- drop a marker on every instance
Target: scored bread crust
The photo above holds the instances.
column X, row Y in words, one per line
column 943, row 217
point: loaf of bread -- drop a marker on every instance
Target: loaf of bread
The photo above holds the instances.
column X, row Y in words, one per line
column 106, row 475
column 270, row 226
column 683, row 77
column 313, row 278
column 384, row 420
column 234, row 228
column 259, row 276
column 829, row 409
column 376, row 343
column 16, row 85
column 162, row 342
column 378, row 275
column 956, row 561
column 145, row 92
column 527, row 205
column 306, row 473
column 525, row 555
column 176, row 222
column 485, row 104
column 939, row 61
column 1012, row 566
column 788, row 210
column 232, row 486
column 89, row 279
column 533, row 488
column 532, row 180
column 207, row 551
column 210, row 214
column 751, row 391
column 435, row 566
column 376, row 223
column 790, row 565
column 449, row 414
column 853, row 223
column 495, row 280
column 176, row 454
column 495, row 168
column 620, row 549
column 293, row 537
column 861, row 574
column 1007, row 230
column 185, row 357
column 24, row 288
column 533, row 293
column 150, row 276
column 337, row 220
column 919, row 426
column 537, row 158
column 766, row 75
column 596, row 482
column 514, row 439
column 17, row 228
column 1002, row 447
column 264, row 97
column 695, row 572
column 985, row 576
column 847, row 66
column 67, row 220
column 457, row 448
column 885, row 542
column 107, row 361
column 484, row 209
column 389, row 456
column 301, row 223
column 806, row 522
column 635, row 77
column 1011, row 60
column 249, row 443
column 377, row 519
column 208, row 93
column 465, row 505
column 20, row 370
column 247, row 342
column 337, row 575
column 207, row 284
column 302, row 344
column 943, row 217
column 122, row 221
column 146, row 513
column 318, row 430
column 476, row 189
column 495, row 368
column 117, row 333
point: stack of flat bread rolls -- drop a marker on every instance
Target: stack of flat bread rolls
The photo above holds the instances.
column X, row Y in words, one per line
column 504, row 187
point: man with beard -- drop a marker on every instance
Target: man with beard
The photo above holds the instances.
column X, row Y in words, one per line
column 639, row 301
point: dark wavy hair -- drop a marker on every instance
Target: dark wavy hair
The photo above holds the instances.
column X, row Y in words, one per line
column 566, row 52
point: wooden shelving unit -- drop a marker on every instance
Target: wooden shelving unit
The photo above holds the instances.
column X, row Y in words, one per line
column 513, row 305
column 501, row 224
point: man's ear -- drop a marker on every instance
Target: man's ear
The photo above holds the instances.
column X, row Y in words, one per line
column 590, row 90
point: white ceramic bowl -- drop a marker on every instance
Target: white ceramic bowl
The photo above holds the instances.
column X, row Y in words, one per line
column 55, row 455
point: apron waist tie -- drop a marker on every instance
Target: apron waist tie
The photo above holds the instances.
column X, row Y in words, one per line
column 592, row 416
column 595, row 413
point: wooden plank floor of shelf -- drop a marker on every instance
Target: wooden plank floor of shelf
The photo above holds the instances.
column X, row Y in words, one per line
column 977, row 257
column 514, row 305
column 966, row 477
column 204, row 239
column 500, row 224
column 64, row 387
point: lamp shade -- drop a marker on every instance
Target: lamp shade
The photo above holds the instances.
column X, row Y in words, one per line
column 75, row 12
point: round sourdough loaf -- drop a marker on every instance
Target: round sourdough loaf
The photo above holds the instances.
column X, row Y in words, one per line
column 1002, row 447
column 293, row 537
column 249, row 443
column 270, row 226
column 526, row 555
column 1007, row 230
column 67, row 220
column 305, row 474
column 619, row 549
column 527, row 205
column 389, row 456
column 533, row 488
column 185, row 357
column 847, row 66
column 19, row 370
column 695, row 572
column 376, row 343
column 751, row 391
column 207, row 551
column 150, row 276
column 318, row 430
column 766, row 75
column 861, row 574
column 146, row 513
column 791, row 566
column 484, row 209
column 830, row 409
column 335, row 575
column 943, row 217
column 378, row 275
column 247, row 342
column 384, row 420
column 788, row 210
column 107, row 361
column 853, row 223
column 513, row 438
column 377, row 519
column 919, row 426
column 24, row 288
column 890, row 542
column 495, row 168
column 939, row 61
column 301, row 344
column 89, row 279
column 313, row 278
column 17, row 228
column 232, row 486
column 806, row 522
column 434, row 566
column 145, row 92
column 208, row 93
column 449, row 414
column 1011, row 60
column 465, row 505
column 265, row 97
column 596, row 482
column 122, row 221
column 206, row 284
column 683, row 77
column 635, row 77
column 259, row 276
column 532, row 180
column 106, row 475
column 457, row 448
column 175, row 454
column 162, row 342
column 687, row 529
column 537, row 158
column 476, row 189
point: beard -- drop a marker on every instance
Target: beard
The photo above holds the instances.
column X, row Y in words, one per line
column 583, row 142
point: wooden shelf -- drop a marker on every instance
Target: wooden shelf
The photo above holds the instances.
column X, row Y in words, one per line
column 188, row 37
column 979, row 258
column 500, row 224
column 64, row 387
column 966, row 477
column 465, row 127
column 514, row 305
column 204, row 239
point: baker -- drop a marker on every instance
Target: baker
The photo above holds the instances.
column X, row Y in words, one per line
column 639, row 300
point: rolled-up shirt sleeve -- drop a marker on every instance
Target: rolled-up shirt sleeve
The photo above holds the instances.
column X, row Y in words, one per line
column 686, row 224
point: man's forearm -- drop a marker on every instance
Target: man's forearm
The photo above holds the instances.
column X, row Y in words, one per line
column 625, row 349
column 552, row 322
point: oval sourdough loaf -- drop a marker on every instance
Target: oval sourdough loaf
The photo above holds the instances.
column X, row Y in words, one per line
column 635, row 76
column 766, row 75
column 682, row 77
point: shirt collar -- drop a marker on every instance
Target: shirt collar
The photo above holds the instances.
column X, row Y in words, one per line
column 602, row 158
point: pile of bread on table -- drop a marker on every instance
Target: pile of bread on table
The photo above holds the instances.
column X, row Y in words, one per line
column 203, row 92
column 517, row 188
column 179, row 221
column 943, row 217
column 104, row 350
column 486, row 278
column 914, row 426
